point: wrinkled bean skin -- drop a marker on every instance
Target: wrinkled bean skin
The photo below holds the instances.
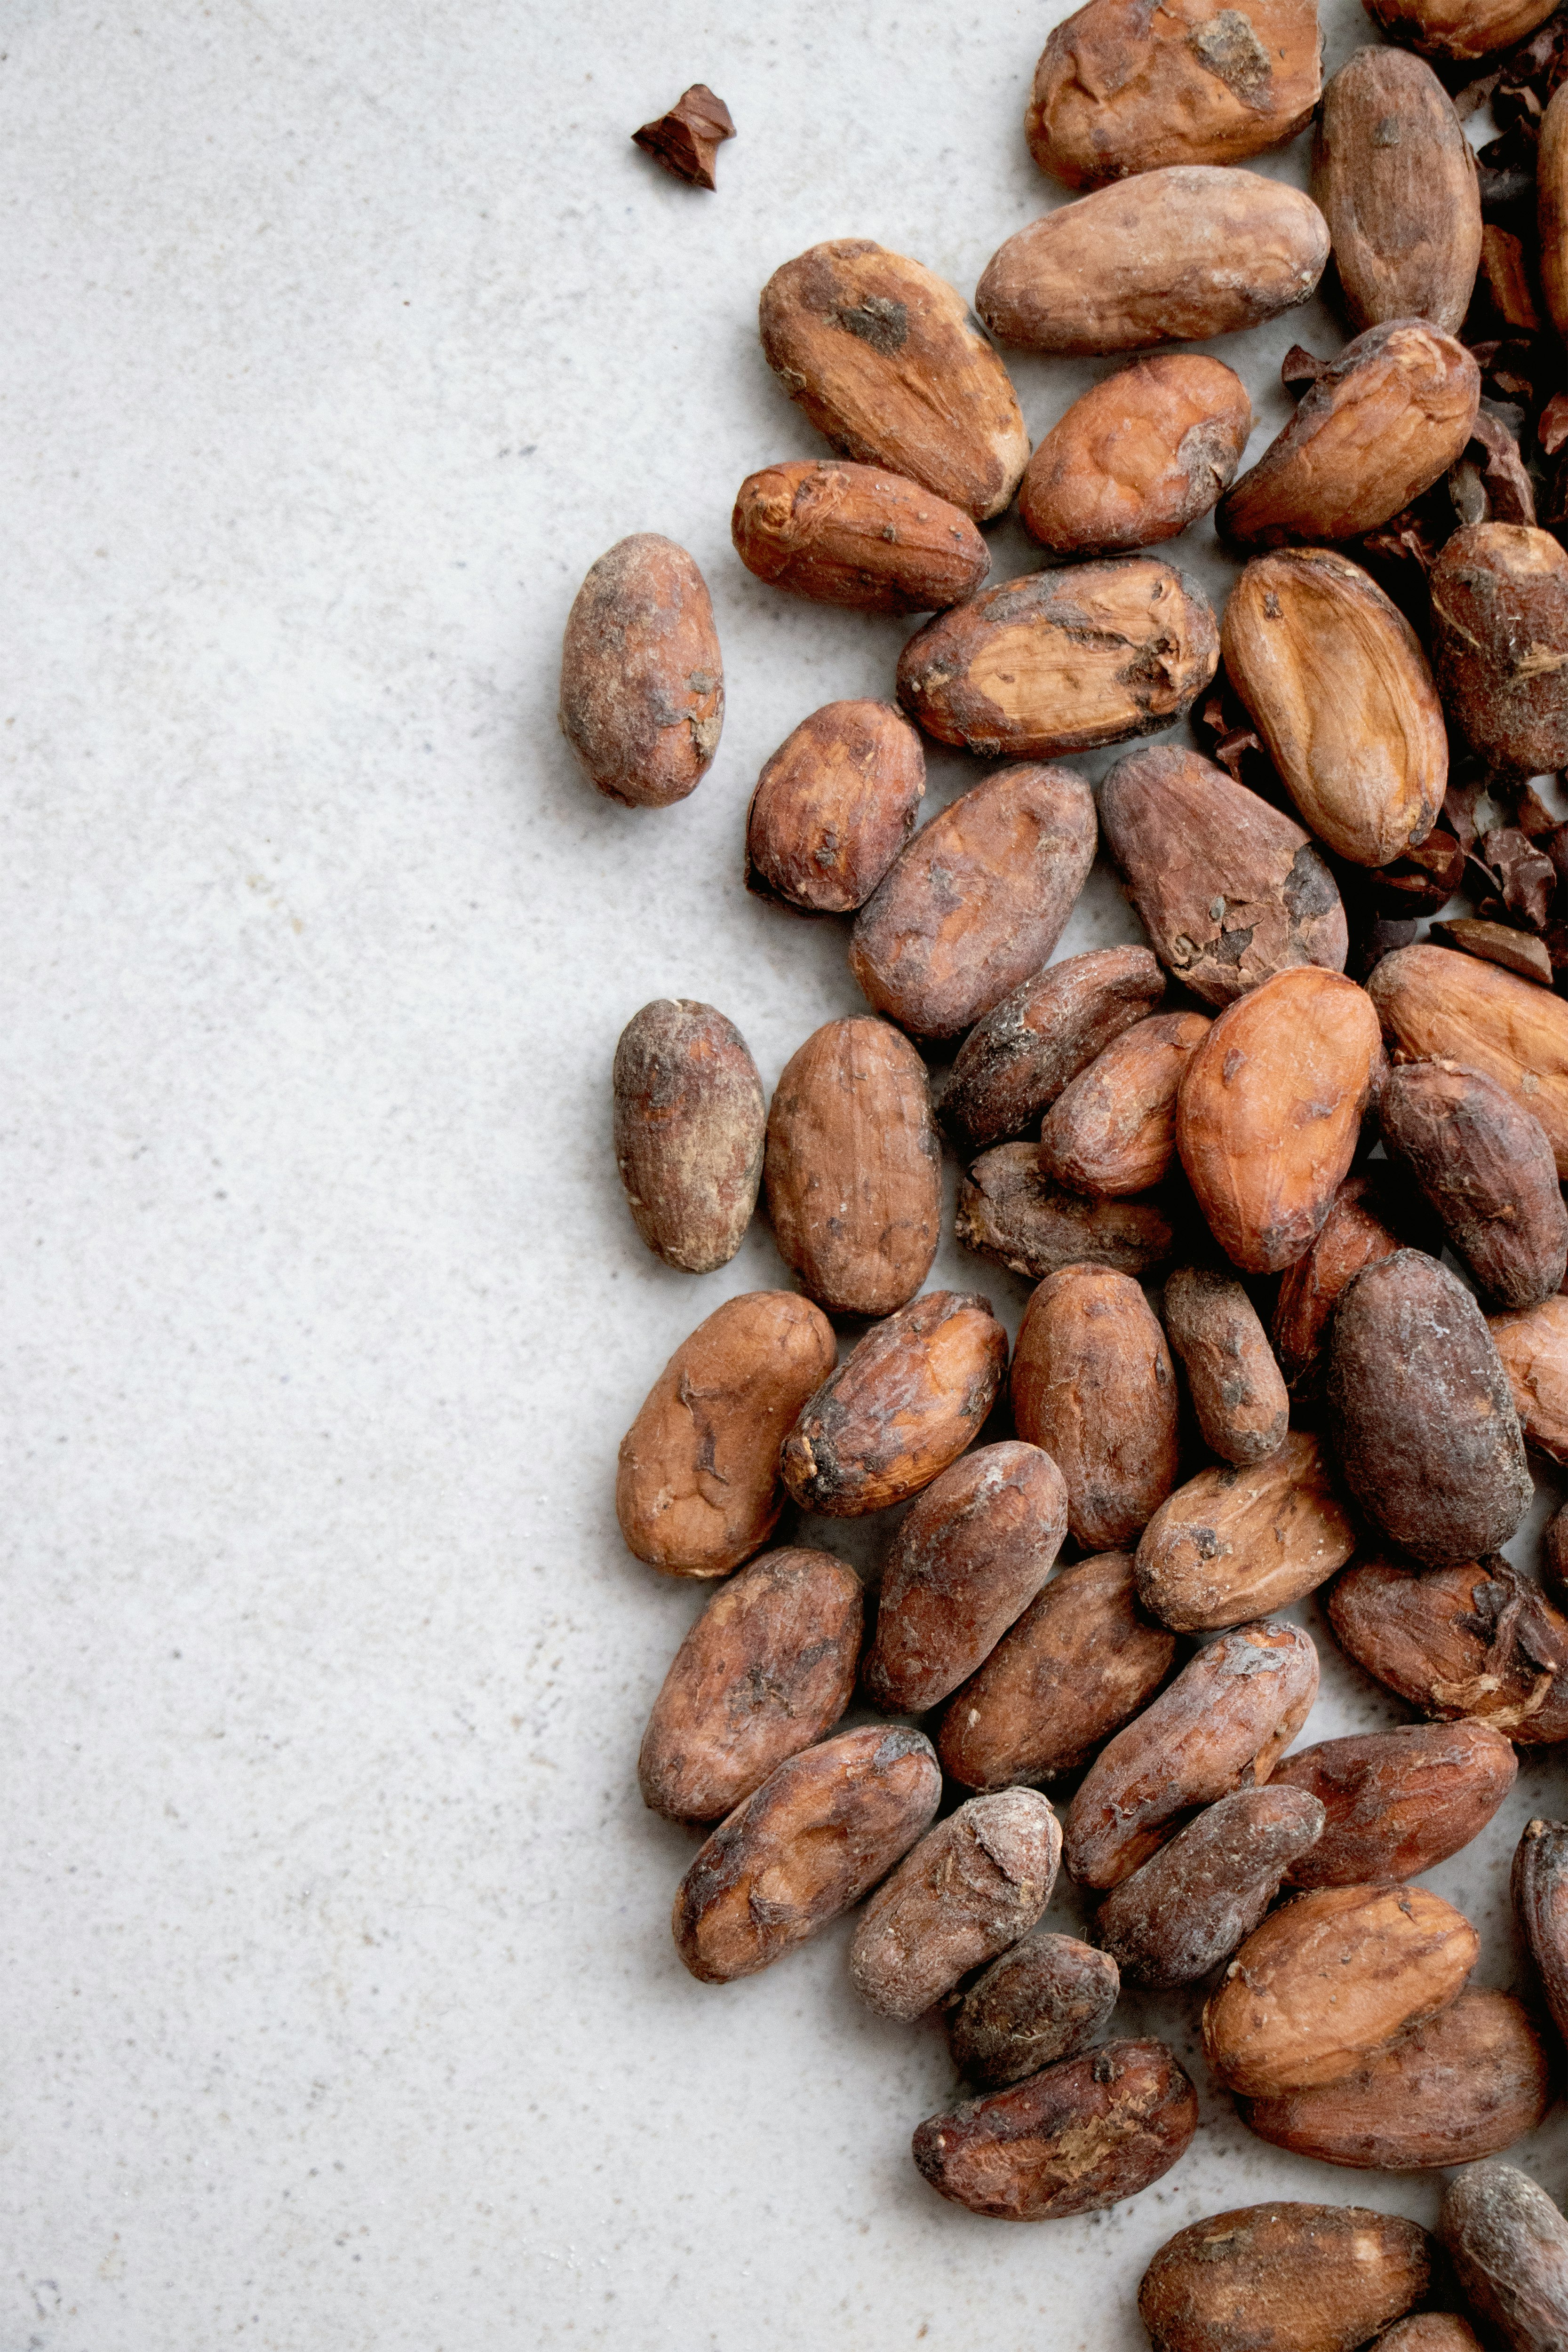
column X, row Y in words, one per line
column 1236, row 1542
column 1509, row 2246
column 1044, row 2001
column 1283, row 2278
column 689, row 1118
column 1094, row 1385
column 969, row 1890
column 1398, row 1802
column 1009, row 1211
column 1194, row 1901
column 1018, row 1057
column 1540, row 1891
column 1476, row 1639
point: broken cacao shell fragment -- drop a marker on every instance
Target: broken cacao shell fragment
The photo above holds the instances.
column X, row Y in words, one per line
column 1010, row 1213
column 1018, row 1057
column 834, row 806
column 1236, row 1387
column 1436, row 1006
column 1509, row 2246
column 1094, row 1385
column 1398, row 1802
column 1493, row 943
column 1111, row 1131
column 1294, row 2278
column 1479, row 1640
column 1394, row 178
column 1234, row 1543
column 1500, row 611
column 689, row 1118
column 687, row 140
column 1194, row 1901
column 1138, row 458
column 968, row 1890
column 1533, row 1349
column 1540, row 1891
column 857, row 535
column 1484, row 1163
column 642, row 683
column 1044, row 2001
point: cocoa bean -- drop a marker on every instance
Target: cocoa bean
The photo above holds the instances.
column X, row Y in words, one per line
column 1112, row 1130
column 969, row 1557
column 1540, row 1889
column 1458, row 30
column 1138, row 458
column 1442, row 1007
column 1044, row 2001
column 834, row 806
column 768, row 1668
column 1093, row 1383
column 972, row 1887
column 857, row 535
column 689, row 1118
column 853, row 1168
column 1283, row 2278
column 1073, row 2139
column 697, row 1486
column 1367, row 1220
column 903, row 1404
column 1194, row 1901
column 1532, row 1348
column 1509, row 2246
column 1017, row 1059
column 1484, row 1163
column 1008, row 1212
column 821, row 1830
column 1479, row 1639
column 1429, row 2331
column 978, row 900
column 642, row 684
column 1500, row 618
column 1233, row 1544
column 1394, row 178
column 1397, row 1802
column 1236, row 1387
column 1551, row 210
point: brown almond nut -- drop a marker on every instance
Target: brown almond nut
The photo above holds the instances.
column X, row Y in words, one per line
column 1112, row 1130
column 1044, row 2001
column 642, row 684
column 978, row 900
column 1230, row 1714
column 1120, row 91
column 1269, row 1113
column 1484, row 1163
column 1063, row 661
column 1336, row 683
column 690, row 1117
column 1539, row 1890
column 1377, row 427
column 853, row 1168
column 969, row 1557
column 1018, row 1058
column 1477, row 1639
column 834, row 806
column 1011, row 1213
column 1328, row 1979
column 1139, row 457
column 905, row 1402
column 1509, row 2246
column 1284, row 2278
column 1074, row 2138
column 1393, row 176
column 1423, row 1424
column 1532, row 1348
column 856, row 535
column 972, row 1887
column 1500, row 618
column 696, row 1485
column 1080, row 1663
column 824, row 1827
column 1457, row 29
column 1200, row 1896
column 1093, row 1383
column 1234, row 1543
column 1551, row 210
column 1429, row 2331
column 1467, row 2084
column 1175, row 256
column 1398, row 1802
column 1236, row 1387
column 768, row 1668
column 884, row 358
column 1438, row 1006
column 1230, row 891
column 1357, row 1231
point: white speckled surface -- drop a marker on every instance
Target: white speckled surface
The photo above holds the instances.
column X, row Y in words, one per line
column 341, row 2011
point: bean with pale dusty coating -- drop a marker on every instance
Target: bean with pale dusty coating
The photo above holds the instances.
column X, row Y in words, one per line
column 1236, row 1387
column 1194, row 1901
column 1509, row 2246
column 969, row 1889
column 1236, row 1541
column 689, row 1118
column 1044, row 2001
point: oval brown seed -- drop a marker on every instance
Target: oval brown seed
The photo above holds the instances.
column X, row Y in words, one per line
column 1551, row 210
column 853, row 1168
column 1397, row 1802
column 1430, row 2331
column 972, row 1885
column 1509, row 2246
column 1337, row 686
column 1297, row 2278
column 1119, row 91
column 821, row 1830
column 1539, row 1890
column 1008, row 1212
column 689, row 1122
column 768, row 1667
column 1477, row 1639
column 1500, row 617
column 834, row 806
column 1063, row 661
column 1195, row 1900
column 1459, row 30
column 1484, row 1163
column 1112, row 1130
column 1173, row 256
column 1230, row 1714
column 978, row 900
column 856, row 535
column 1233, row 1544
column 696, row 1485
column 886, row 361
column 1072, row 2139
column 1330, row 1977
column 1269, row 1113
column 1424, row 1426
column 1024, row 1052
column 1236, row 1387
column 1438, row 1006
column 1395, row 180
column 1357, row 1231
column 1377, row 427
column 1532, row 1349
column 1044, row 2001
column 903, row 1404
column 968, row 1559
column 1138, row 458
column 1231, row 891
column 642, row 684
column 1093, row 1383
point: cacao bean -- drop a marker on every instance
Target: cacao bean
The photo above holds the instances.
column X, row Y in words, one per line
column 642, row 683
column 1458, row 30
column 1194, row 1901
column 1551, row 210
column 1479, row 1639
column 1540, row 1889
column 1283, row 2278
column 1366, row 1220
column 1430, row 2331
column 689, row 1118
column 1509, row 2246
column 1499, row 617
column 834, row 806
column 1436, row 1006
column 1017, row 1059
column 1112, row 1130
column 1236, row 1387
column 1394, row 178
column 1044, row 2001
column 1139, row 458
column 1008, row 1212
column 1532, row 1348
column 856, row 535
column 1484, row 1163
column 1233, row 1544
column 1093, row 1383
column 971, row 1887
column 1397, row 1802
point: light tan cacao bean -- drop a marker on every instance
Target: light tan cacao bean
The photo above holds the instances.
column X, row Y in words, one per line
column 642, row 683
column 1094, row 1385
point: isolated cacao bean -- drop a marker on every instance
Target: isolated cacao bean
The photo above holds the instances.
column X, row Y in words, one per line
column 968, row 1890
column 697, row 1488
column 1532, row 1348
column 1500, row 618
column 1485, row 1164
column 1138, row 458
column 1436, row 1006
column 1234, row 1543
column 1366, row 1220
column 978, row 900
column 1093, row 1383
column 1017, row 1059
column 642, row 683
column 857, row 535
column 834, row 806
column 1111, row 1131
column 1540, row 1889
column 1044, row 2001
column 1008, row 1212
column 1397, row 1802
column 1283, row 2278
column 1509, row 2246
column 1458, row 30
column 1394, row 178
column 1479, row 1639
column 904, row 1403
column 689, row 1118
column 1194, row 1901
column 1236, row 1387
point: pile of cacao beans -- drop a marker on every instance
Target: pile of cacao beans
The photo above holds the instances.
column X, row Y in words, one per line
column 1289, row 1179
